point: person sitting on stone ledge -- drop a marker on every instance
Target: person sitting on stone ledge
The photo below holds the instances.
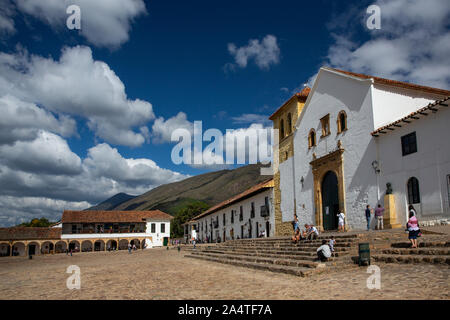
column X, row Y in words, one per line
column 324, row 252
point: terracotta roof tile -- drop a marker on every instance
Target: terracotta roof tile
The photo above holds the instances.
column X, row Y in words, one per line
column 413, row 115
column 302, row 96
column 29, row 233
column 249, row 192
column 112, row 216
column 395, row 83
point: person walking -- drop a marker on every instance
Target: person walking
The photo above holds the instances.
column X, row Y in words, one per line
column 413, row 228
column 368, row 216
column 341, row 222
column 129, row 248
column 379, row 216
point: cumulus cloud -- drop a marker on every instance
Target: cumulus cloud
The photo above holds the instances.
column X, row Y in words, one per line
column 77, row 85
column 162, row 129
column 47, row 171
column 104, row 23
column 412, row 44
column 264, row 53
column 7, row 12
column 21, row 121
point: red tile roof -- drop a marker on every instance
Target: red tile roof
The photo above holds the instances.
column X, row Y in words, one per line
column 113, row 216
column 247, row 193
column 433, row 107
column 302, row 96
column 395, row 83
column 29, row 233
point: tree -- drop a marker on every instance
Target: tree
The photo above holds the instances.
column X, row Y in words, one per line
column 185, row 214
column 42, row 222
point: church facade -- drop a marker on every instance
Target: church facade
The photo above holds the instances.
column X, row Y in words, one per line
column 342, row 161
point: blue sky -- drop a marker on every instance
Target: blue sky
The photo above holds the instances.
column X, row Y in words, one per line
column 166, row 57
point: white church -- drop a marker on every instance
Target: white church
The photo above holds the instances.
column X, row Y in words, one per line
column 357, row 133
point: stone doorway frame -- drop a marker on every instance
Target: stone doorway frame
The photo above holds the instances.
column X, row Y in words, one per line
column 334, row 162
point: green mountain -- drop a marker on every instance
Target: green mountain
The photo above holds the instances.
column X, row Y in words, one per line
column 210, row 188
column 113, row 202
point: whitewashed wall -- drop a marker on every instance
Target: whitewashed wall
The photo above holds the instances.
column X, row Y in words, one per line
column 258, row 199
column 287, row 189
column 333, row 93
column 430, row 165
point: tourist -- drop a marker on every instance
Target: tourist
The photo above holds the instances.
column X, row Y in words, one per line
column 413, row 228
column 411, row 209
column 297, row 236
column 379, row 216
column 194, row 236
column 311, row 232
column 134, row 247
column 368, row 216
column 341, row 222
column 331, row 243
column 129, row 248
column 324, row 252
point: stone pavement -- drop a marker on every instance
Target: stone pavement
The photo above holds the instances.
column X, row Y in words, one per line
column 166, row 274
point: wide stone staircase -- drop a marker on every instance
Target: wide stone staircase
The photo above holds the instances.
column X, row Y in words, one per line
column 429, row 251
column 277, row 254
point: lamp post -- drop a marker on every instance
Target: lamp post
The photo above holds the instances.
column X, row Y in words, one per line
column 375, row 167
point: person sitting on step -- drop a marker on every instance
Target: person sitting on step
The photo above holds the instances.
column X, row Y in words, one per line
column 324, row 252
column 311, row 232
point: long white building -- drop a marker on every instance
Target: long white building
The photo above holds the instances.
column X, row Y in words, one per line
column 245, row 215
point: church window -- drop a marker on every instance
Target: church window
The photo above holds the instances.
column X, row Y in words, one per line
column 289, row 123
column 312, row 138
column 325, row 121
column 342, row 121
column 413, row 191
column 409, row 144
column 281, row 129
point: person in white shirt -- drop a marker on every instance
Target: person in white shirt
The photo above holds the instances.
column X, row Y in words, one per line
column 324, row 252
column 341, row 222
column 194, row 236
column 311, row 232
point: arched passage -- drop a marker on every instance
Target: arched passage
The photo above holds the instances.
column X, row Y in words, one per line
column 5, row 249
column 33, row 248
column 99, row 245
column 86, row 246
column 123, row 244
column 47, row 247
column 330, row 200
column 74, row 245
column 60, row 247
column 111, row 245
column 19, row 249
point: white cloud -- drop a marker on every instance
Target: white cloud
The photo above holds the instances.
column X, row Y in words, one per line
column 104, row 23
column 77, row 85
column 7, row 13
column 265, row 53
column 251, row 118
column 412, row 44
column 21, row 121
column 47, row 154
column 162, row 129
column 46, row 169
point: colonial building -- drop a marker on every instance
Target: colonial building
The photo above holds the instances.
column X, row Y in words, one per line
column 99, row 230
column 89, row 231
column 284, row 119
column 354, row 135
column 245, row 215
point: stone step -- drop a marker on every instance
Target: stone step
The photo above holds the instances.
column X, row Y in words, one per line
column 256, row 259
column 421, row 244
column 287, row 241
column 281, row 249
column 308, row 257
column 297, row 271
column 434, row 251
column 396, row 258
column 287, row 246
